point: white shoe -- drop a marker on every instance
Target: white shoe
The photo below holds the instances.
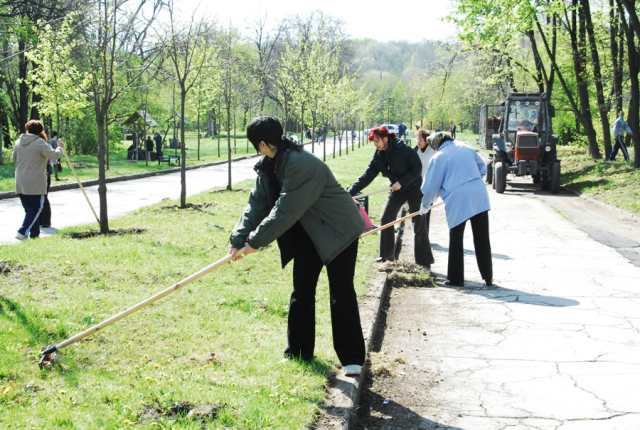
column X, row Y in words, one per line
column 352, row 370
column 21, row 236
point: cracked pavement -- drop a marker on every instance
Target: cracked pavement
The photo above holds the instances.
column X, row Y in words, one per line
column 554, row 345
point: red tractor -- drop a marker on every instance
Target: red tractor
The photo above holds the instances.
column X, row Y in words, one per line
column 524, row 144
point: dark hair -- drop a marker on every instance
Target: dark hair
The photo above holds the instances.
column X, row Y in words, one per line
column 35, row 127
column 54, row 133
column 268, row 129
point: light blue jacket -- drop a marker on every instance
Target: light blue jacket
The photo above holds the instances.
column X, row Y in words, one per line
column 619, row 127
column 455, row 172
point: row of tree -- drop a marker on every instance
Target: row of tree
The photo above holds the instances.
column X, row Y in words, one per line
column 98, row 61
column 103, row 59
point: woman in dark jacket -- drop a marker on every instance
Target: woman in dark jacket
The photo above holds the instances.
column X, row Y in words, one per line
column 298, row 202
column 403, row 167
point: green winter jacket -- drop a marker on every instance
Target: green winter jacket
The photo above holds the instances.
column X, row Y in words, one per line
column 310, row 194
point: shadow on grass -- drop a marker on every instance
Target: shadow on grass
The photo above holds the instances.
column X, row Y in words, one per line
column 93, row 233
column 197, row 207
column 11, row 311
column 587, row 184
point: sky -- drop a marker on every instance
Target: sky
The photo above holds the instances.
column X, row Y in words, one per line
column 410, row 20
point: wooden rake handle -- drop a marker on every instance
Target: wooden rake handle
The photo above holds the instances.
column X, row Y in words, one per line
column 80, row 184
column 404, row 218
column 372, row 193
column 136, row 308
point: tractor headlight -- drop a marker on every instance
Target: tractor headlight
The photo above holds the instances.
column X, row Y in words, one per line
column 547, row 148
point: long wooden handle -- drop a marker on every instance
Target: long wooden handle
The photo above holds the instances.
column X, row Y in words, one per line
column 372, row 193
column 404, row 218
column 144, row 303
column 80, row 184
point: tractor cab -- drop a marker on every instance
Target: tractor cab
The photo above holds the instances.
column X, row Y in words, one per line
column 524, row 144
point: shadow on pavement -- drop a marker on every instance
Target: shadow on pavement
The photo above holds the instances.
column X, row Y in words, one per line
column 436, row 247
column 513, row 296
column 380, row 414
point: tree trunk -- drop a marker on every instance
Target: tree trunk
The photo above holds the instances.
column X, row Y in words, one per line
column 540, row 71
column 4, row 132
column 630, row 6
column 1, row 139
column 579, row 54
column 106, row 135
column 633, row 116
column 23, row 105
column 183, row 150
column 102, row 184
column 617, row 55
column 219, row 123
column 597, row 76
column 228, row 108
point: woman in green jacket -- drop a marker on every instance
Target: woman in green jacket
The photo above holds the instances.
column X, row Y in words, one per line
column 298, row 202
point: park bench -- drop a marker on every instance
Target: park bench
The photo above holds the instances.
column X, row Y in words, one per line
column 169, row 159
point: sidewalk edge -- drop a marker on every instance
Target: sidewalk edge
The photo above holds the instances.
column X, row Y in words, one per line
column 343, row 393
column 624, row 212
column 93, row 182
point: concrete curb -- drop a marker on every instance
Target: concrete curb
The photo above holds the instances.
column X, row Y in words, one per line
column 91, row 183
column 343, row 393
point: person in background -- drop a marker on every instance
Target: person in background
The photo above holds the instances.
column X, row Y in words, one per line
column 455, row 173
column 401, row 164
column 148, row 146
column 425, row 151
column 30, row 155
column 619, row 127
column 55, row 165
column 452, row 130
column 297, row 201
column 158, row 139
column 45, row 216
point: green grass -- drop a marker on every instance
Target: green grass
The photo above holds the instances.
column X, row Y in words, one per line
column 119, row 165
column 219, row 340
column 616, row 183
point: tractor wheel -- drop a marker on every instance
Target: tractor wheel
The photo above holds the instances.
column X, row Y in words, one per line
column 493, row 176
column 536, row 178
column 500, row 178
column 489, row 177
column 545, row 183
column 555, row 178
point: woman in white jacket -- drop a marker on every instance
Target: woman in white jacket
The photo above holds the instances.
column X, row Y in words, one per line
column 30, row 155
column 455, row 173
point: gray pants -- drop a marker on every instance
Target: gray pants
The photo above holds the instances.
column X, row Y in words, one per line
column 422, row 246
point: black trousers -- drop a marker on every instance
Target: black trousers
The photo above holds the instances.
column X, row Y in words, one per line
column 421, row 243
column 45, row 216
column 481, row 245
column 619, row 146
column 348, row 340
